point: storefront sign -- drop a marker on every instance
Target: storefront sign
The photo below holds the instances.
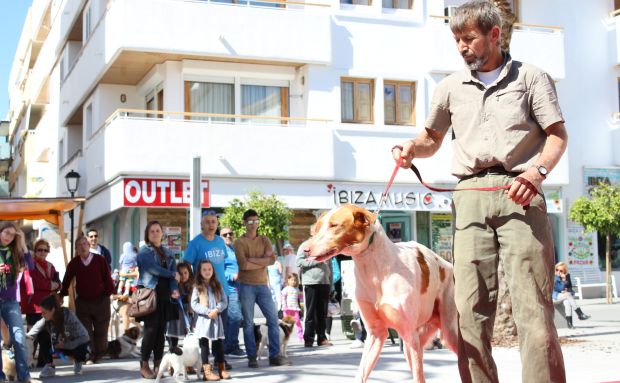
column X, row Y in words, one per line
column 158, row 192
column 172, row 239
column 395, row 200
column 442, row 235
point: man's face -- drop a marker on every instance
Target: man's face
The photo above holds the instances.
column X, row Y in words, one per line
column 209, row 224
column 474, row 46
column 228, row 235
column 82, row 247
column 251, row 224
column 93, row 238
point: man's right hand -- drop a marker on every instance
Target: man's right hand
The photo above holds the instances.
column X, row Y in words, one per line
column 407, row 154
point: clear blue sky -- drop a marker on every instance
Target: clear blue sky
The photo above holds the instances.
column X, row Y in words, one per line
column 11, row 23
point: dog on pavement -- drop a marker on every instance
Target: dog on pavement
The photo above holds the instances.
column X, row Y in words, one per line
column 404, row 286
column 190, row 357
column 125, row 346
column 261, row 337
column 8, row 359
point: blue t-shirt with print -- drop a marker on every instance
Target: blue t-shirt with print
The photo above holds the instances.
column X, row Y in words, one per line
column 201, row 248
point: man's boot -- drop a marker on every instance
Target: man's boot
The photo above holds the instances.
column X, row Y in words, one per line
column 222, row 367
column 581, row 315
column 210, row 376
column 569, row 321
column 146, row 371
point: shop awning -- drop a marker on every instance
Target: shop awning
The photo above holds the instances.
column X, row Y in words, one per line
column 49, row 209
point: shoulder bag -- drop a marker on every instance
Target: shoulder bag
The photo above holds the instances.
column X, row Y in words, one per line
column 143, row 302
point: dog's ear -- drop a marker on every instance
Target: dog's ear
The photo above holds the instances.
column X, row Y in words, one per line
column 317, row 225
column 362, row 217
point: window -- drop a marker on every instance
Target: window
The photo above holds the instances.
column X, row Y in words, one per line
column 398, row 4
column 399, row 102
column 210, row 97
column 87, row 22
column 360, row 2
column 356, row 100
column 260, row 100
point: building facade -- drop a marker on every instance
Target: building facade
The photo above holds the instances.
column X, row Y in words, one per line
column 302, row 100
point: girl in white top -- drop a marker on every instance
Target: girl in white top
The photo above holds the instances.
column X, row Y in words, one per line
column 208, row 302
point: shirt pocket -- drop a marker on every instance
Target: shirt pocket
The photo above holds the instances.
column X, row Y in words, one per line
column 512, row 108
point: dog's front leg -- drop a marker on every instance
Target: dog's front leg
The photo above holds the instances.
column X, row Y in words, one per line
column 372, row 349
column 413, row 354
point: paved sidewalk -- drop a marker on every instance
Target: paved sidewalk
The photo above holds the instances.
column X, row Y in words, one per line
column 591, row 352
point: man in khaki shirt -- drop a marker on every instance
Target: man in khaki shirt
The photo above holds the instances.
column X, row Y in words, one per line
column 254, row 253
column 507, row 129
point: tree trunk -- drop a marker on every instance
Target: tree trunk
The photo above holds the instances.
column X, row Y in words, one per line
column 508, row 19
column 504, row 329
column 608, row 268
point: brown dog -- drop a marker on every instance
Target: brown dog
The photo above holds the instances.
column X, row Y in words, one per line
column 404, row 286
column 125, row 345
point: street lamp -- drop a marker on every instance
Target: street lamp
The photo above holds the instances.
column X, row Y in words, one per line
column 73, row 182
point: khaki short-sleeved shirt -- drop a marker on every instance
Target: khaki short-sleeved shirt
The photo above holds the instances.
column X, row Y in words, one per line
column 497, row 125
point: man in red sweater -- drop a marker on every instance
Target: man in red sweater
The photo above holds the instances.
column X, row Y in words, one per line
column 93, row 285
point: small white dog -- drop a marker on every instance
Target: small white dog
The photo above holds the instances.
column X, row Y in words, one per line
column 261, row 336
column 189, row 358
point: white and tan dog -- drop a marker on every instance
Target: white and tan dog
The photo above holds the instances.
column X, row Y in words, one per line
column 125, row 346
column 8, row 359
column 404, row 286
column 261, row 336
column 189, row 358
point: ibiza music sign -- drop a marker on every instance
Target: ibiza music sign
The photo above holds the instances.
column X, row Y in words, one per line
column 161, row 192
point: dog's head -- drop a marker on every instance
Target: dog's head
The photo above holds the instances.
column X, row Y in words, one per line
column 343, row 230
column 288, row 321
column 133, row 333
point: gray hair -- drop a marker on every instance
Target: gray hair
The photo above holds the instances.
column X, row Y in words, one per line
column 482, row 13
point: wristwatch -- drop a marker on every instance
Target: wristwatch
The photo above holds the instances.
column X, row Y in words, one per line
column 542, row 170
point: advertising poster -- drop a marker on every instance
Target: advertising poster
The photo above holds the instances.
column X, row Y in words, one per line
column 442, row 235
column 582, row 248
column 395, row 231
column 172, row 239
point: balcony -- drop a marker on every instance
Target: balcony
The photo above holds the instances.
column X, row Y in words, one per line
column 292, row 148
column 134, row 35
column 542, row 46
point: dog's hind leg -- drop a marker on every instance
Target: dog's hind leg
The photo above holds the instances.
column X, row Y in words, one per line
column 448, row 317
column 413, row 354
column 372, row 349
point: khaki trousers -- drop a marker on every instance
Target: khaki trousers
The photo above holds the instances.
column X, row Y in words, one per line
column 490, row 228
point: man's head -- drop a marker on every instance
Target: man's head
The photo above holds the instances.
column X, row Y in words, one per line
column 82, row 247
column 250, row 220
column 209, row 223
column 476, row 28
column 93, row 237
column 228, row 235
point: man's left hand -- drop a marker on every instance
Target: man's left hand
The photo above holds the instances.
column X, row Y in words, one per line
column 519, row 192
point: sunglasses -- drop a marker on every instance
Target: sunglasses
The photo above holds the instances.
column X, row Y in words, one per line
column 252, row 222
column 93, row 236
column 227, row 234
column 42, row 251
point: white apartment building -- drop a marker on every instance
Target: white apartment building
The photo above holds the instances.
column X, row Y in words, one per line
column 299, row 99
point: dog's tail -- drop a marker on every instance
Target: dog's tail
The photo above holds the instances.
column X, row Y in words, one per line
column 448, row 315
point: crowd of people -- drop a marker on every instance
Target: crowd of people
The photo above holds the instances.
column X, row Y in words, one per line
column 210, row 292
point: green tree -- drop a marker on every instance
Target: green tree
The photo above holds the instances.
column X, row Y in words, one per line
column 275, row 216
column 600, row 212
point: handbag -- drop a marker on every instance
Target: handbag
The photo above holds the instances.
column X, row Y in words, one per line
column 143, row 302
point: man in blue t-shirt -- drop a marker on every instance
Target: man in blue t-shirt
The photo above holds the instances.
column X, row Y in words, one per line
column 208, row 245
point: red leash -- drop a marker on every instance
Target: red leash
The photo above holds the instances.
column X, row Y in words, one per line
column 521, row 180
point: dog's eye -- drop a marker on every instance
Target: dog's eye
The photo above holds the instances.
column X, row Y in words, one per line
column 332, row 224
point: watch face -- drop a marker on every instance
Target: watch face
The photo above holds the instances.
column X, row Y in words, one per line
column 543, row 170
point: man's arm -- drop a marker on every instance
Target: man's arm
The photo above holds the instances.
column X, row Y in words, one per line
column 242, row 257
column 424, row 145
column 554, row 147
column 66, row 280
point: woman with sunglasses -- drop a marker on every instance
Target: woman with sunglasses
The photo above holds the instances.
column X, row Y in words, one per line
column 563, row 292
column 13, row 253
column 45, row 282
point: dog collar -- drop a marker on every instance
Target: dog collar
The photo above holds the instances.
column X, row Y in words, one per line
column 372, row 238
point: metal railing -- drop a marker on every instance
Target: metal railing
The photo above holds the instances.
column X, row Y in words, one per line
column 515, row 25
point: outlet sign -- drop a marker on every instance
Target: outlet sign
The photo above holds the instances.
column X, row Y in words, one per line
column 161, row 192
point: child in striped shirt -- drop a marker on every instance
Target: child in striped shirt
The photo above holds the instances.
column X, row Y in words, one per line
column 293, row 302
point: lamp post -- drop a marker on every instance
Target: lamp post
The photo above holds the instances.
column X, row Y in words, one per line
column 73, row 182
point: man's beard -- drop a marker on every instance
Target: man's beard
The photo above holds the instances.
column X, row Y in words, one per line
column 478, row 61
